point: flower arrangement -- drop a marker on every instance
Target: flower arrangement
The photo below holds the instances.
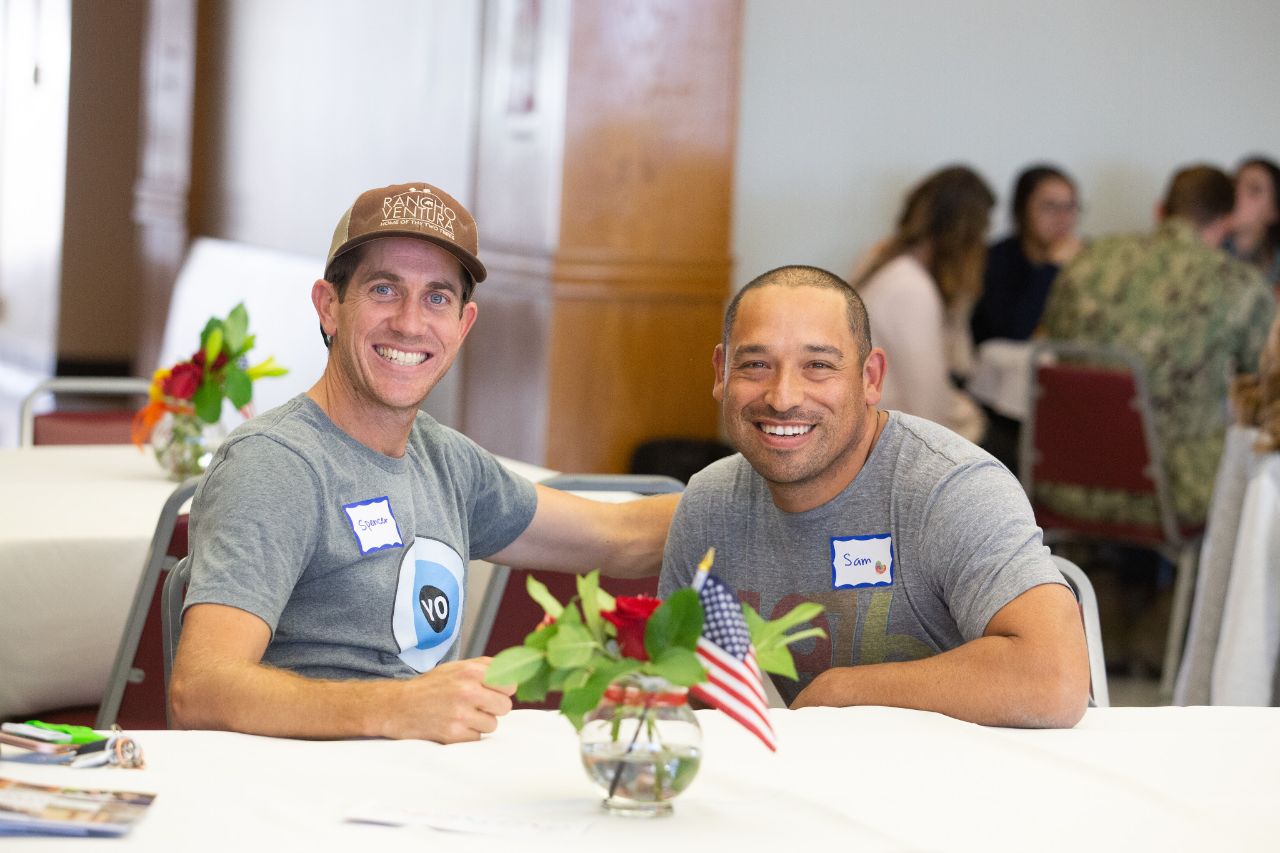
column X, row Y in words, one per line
column 624, row 665
column 191, row 392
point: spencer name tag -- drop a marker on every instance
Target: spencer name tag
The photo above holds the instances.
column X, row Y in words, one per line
column 374, row 524
column 861, row 561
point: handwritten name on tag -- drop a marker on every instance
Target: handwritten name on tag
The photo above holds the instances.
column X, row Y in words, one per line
column 374, row 524
column 861, row 561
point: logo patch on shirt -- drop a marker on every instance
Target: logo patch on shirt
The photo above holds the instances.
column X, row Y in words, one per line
column 429, row 601
column 861, row 561
column 374, row 524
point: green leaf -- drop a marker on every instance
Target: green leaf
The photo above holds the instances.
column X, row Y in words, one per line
column 235, row 329
column 677, row 623
column 762, row 632
column 571, row 646
column 588, row 587
column 538, row 592
column 579, row 700
column 788, row 639
column 238, row 385
column 535, row 687
column 539, row 637
column 777, row 660
column 212, row 346
column 679, row 666
column 513, row 665
column 208, row 401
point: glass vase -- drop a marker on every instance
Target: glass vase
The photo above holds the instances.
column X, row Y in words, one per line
column 184, row 444
column 642, row 746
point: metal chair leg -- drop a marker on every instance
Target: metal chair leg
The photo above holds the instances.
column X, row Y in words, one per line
column 1183, row 586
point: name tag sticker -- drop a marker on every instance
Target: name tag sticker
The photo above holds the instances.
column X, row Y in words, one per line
column 861, row 561
column 374, row 524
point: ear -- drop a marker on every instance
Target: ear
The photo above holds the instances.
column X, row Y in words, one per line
column 469, row 313
column 873, row 370
column 324, row 296
column 717, row 364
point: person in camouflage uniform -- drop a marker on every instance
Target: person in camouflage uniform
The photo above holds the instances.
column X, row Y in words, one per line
column 1195, row 318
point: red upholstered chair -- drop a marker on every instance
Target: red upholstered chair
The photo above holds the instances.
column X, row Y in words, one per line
column 1090, row 424
column 110, row 425
column 507, row 614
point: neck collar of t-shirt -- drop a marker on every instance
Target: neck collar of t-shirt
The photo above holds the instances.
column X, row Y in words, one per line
column 332, row 432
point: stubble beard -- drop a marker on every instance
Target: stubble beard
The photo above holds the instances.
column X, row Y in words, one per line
column 792, row 467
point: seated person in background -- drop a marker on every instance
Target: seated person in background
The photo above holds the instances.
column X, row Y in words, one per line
column 1193, row 316
column 331, row 535
column 919, row 285
column 1255, row 221
column 939, row 594
column 1021, row 267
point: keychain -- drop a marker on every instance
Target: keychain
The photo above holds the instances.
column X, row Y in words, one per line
column 118, row 749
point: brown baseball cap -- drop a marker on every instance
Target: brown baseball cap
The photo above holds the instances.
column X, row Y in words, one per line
column 411, row 210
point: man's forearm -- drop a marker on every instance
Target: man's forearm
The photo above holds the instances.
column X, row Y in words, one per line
column 259, row 699
column 991, row 681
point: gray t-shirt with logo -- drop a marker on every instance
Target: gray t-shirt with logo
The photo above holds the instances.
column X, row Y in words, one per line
column 355, row 560
column 913, row 558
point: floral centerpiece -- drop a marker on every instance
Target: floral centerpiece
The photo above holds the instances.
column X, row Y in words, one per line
column 186, row 399
column 625, row 667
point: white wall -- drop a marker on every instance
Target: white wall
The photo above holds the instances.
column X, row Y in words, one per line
column 846, row 103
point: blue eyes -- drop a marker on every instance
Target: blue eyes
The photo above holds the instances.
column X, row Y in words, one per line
column 437, row 298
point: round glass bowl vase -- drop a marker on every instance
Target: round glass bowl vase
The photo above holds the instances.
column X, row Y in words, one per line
column 642, row 746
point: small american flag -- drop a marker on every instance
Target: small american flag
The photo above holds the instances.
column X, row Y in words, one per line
column 733, row 680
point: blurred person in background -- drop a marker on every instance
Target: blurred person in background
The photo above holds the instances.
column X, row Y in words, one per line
column 1021, row 267
column 1255, row 221
column 920, row 285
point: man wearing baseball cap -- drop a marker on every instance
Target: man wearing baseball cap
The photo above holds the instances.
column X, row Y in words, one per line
column 330, row 536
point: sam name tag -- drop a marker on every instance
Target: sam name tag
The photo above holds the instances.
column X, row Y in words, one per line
column 374, row 524
column 861, row 561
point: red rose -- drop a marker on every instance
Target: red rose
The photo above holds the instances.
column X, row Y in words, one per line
column 218, row 362
column 629, row 615
column 182, row 383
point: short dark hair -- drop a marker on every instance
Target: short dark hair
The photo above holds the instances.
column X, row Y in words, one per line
column 344, row 266
column 798, row 275
column 1028, row 180
column 1201, row 194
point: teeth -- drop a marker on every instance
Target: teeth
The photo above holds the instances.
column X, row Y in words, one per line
column 398, row 357
column 786, row 430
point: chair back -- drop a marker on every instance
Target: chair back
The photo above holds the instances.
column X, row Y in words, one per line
column 507, row 614
column 136, row 689
column 1090, row 423
column 1083, row 588
column 111, row 425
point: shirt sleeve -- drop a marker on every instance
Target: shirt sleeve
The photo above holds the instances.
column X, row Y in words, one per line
column 254, row 523
column 979, row 530
column 502, row 503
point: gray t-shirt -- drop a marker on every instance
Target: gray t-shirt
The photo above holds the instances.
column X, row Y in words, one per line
column 913, row 558
column 357, row 561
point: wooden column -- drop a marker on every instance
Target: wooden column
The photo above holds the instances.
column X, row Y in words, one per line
column 603, row 197
column 164, row 180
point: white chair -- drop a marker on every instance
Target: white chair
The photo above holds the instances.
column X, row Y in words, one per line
column 1083, row 588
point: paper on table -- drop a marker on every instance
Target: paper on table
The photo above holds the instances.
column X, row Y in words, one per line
column 552, row 817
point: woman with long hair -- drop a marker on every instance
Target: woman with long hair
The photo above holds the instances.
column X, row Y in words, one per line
column 1255, row 222
column 919, row 286
column 1021, row 268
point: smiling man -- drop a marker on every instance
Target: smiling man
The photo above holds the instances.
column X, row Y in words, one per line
column 939, row 594
column 330, row 536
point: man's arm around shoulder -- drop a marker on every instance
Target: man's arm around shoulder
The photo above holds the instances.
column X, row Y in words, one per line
column 219, row 682
column 1029, row 669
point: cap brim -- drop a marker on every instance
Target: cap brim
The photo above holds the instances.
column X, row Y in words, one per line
column 469, row 261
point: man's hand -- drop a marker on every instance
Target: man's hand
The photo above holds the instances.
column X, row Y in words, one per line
column 449, row 704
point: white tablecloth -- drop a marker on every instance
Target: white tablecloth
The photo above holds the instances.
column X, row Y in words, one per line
column 1234, row 636
column 75, row 523
column 848, row 779
column 1001, row 376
